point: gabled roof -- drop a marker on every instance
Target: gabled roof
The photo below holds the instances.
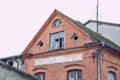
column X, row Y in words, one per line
column 10, row 57
column 17, row 70
column 102, row 22
column 80, row 26
column 94, row 34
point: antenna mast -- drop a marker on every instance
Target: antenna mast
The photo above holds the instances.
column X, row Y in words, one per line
column 98, row 57
column 97, row 15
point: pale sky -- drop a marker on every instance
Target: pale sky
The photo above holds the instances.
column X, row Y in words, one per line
column 20, row 20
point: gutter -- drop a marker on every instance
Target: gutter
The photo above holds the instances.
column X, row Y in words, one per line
column 98, row 60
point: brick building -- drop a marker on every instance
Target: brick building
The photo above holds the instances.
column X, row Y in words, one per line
column 64, row 49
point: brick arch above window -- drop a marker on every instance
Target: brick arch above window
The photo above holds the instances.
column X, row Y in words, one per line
column 70, row 65
column 112, row 67
column 39, row 69
column 74, row 66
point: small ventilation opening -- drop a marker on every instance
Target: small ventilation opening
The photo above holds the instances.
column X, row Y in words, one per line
column 40, row 44
column 75, row 37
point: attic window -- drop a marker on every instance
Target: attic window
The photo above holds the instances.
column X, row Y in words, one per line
column 57, row 23
column 57, row 41
column 75, row 37
column 40, row 44
column 10, row 63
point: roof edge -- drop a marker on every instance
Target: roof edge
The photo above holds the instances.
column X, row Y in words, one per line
column 102, row 22
column 17, row 70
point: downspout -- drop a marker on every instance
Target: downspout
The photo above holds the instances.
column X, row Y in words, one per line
column 98, row 61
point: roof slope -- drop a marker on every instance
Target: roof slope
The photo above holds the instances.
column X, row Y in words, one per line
column 95, row 35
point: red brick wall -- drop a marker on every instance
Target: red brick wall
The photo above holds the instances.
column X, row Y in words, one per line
column 109, row 62
column 109, row 59
column 68, row 29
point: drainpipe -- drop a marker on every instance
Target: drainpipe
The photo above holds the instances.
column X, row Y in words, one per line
column 98, row 61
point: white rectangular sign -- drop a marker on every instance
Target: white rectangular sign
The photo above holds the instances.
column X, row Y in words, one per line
column 59, row 59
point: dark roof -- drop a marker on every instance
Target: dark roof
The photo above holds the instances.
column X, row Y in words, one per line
column 17, row 70
column 102, row 22
column 10, row 57
column 95, row 35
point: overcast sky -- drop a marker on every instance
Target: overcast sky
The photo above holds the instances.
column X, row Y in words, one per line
column 20, row 20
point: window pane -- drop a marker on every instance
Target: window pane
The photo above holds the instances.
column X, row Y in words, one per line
column 61, row 39
column 61, row 34
column 40, row 76
column 111, row 76
column 75, row 75
column 10, row 63
column 57, row 41
column 57, row 23
column 71, row 75
column 61, row 42
column 78, row 75
column 52, row 38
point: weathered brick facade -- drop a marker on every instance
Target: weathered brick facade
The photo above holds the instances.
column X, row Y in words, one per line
column 74, row 56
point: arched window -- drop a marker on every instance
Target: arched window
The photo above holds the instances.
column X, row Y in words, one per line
column 57, row 23
column 40, row 76
column 111, row 75
column 75, row 75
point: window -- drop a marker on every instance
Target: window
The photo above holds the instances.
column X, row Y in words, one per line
column 10, row 63
column 57, row 23
column 40, row 44
column 40, row 76
column 75, row 37
column 57, row 41
column 75, row 75
column 111, row 76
